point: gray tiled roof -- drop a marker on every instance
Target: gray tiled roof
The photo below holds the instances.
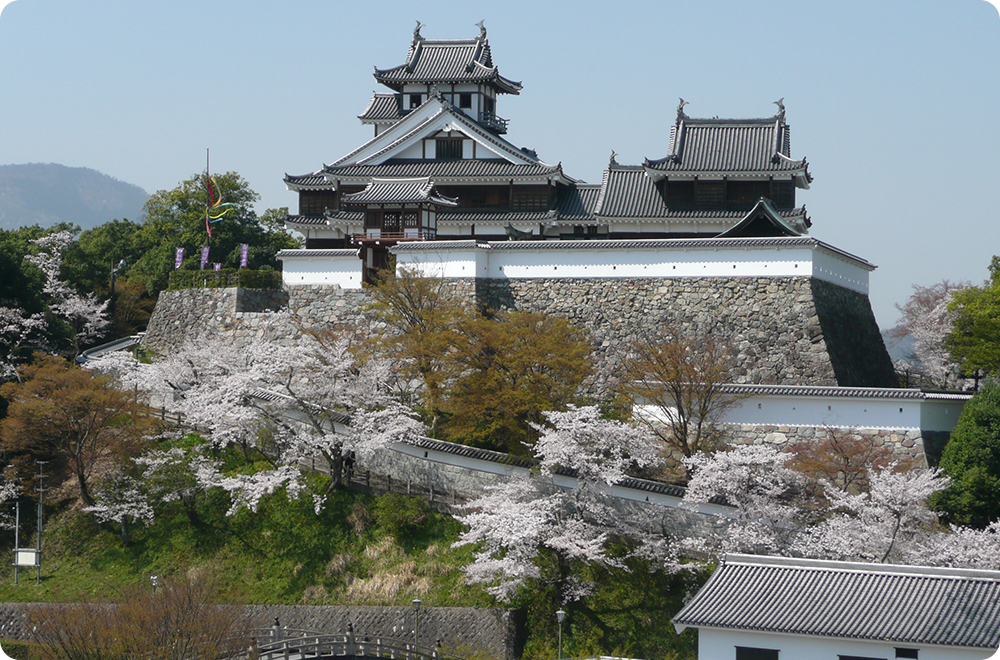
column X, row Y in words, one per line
column 448, row 61
column 399, row 191
column 526, row 462
column 306, row 219
column 381, row 109
column 626, row 191
column 579, row 200
column 314, row 180
column 467, row 216
column 283, row 254
column 443, row 169
column 846, row 392
column 877, row 602
column 729, row 145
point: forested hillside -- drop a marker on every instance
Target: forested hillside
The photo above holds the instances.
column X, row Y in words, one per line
column 47, row 194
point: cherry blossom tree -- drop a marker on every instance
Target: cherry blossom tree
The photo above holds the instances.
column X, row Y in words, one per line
column 84, row 313
column 925, row 318
column 755, row 482
column 519, row 522
column 286, row 404
column 18, row 333
column 886, row 523
column 120, row 499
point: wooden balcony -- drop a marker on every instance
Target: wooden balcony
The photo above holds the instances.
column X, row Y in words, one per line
column 372, row 235
column 492, row 122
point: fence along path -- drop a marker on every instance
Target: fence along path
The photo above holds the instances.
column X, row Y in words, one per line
column 278, row 643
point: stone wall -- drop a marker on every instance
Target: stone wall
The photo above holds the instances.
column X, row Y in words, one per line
column 497, row 633
column 787, row 331
column 904, row 445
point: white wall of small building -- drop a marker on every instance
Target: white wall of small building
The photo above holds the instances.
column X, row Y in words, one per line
column 826, row 411
column 343, row 271
column 715, row 644
column 630, row 261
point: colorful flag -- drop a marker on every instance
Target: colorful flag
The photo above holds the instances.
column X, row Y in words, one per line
column 217, row 266
column 178, row 258
column 204, row 256
column 244, row 255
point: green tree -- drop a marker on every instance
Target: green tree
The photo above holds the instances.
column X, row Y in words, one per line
column 974, row 341
column 176, row 218
column 972, row 460
column 69, row 415
column 420, row 314
column 511, row 368
column 678, row 382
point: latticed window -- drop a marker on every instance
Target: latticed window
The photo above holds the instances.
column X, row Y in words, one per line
column 448, row 149
column 465, row 100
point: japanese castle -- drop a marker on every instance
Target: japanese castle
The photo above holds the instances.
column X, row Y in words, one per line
column 439, row 168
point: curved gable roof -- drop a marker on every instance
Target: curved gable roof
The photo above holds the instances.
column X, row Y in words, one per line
column 448, row 61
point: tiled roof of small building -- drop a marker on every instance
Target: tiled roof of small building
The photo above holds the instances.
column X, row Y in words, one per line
column 464, row 216
column 310, row 253
column 729, row 145
column 443, row 169
column 314, row 181
column 447, row 61
column 399, row 191
column 626, row 191
column 579, row 200
column 306, row 219
column 845, row 392
column 383, row 108
column 879, row 602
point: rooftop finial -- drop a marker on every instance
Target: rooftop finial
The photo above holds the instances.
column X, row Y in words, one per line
column 680, row 110
column 612, row 161
column 781, row 107
column 416, row 32
column 482, row 28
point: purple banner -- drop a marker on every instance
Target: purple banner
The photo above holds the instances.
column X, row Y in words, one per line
column 217, row 266
column 178, row 258
column 204, row 256
column 244, row 255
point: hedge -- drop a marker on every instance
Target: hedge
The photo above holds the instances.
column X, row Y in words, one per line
column 224, row 279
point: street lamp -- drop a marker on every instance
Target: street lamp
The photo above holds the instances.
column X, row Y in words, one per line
column 416, row 611
column 560, row 615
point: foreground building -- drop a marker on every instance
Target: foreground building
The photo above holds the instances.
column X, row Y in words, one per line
column 439, row 127
column 778, row 608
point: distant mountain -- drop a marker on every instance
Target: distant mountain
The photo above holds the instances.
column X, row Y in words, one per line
column 46, row 193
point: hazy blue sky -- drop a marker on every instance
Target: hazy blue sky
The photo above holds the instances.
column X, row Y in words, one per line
column 895, row 104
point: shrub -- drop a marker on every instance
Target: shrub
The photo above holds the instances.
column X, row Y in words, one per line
column 400, row 515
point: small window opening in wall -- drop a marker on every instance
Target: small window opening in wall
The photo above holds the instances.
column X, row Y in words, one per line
column 425, row 454
column 465, row 100
column 900, row 410
column 906, row 653
column 414, row 101
column 829, row 407
column 758, row 406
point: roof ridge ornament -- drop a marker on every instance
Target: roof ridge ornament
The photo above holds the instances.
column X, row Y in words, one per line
column 416, row 32
column 781, row 108
column 680, row 110
column 482, row 28
column 612, row 161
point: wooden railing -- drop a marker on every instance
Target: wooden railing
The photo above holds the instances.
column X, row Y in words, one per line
column 408, row 235
column 284, row 644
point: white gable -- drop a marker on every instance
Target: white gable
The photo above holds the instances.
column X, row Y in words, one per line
column 404, row 139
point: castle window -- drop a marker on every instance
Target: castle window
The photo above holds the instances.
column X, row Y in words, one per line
column 750, row 653
column 448, row 149
column 414, row 101
column 465, row 100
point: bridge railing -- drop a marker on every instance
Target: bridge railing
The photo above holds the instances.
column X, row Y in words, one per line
column 289, row 644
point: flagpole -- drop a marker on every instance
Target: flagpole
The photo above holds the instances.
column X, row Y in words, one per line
column 208, row 198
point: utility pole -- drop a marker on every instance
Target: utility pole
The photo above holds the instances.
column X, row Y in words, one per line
column 41, row 498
